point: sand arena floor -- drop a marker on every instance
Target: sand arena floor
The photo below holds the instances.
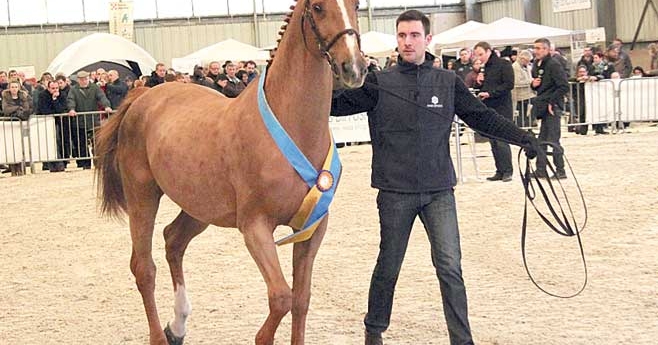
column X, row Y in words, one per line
column 65, row 275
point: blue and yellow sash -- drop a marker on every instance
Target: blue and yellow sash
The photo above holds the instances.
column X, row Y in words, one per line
column 322, row 184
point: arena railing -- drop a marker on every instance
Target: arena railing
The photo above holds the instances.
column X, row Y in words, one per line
column 591, row 103
column 49, row 138
column 638, row 100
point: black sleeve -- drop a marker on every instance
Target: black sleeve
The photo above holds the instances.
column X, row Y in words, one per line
column 561, row 84
column 43, row 106
column 483, row 119
column 507, row 81
column 353, row 101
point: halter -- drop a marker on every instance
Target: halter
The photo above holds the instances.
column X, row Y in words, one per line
column 322, row 44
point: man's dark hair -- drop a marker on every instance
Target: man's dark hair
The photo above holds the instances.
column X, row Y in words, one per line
column 484, row 45
column 414, row 15
column 543, row 41
column 60, row 77
column 251, row 62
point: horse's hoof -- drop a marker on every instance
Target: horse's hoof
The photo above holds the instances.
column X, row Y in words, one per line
column 171, row 338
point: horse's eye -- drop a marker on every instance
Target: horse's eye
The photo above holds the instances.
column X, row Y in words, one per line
column 317, row 8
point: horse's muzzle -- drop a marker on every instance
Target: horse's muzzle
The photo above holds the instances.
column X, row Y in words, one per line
column 352, row 73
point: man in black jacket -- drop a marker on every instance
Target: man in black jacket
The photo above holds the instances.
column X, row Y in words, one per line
column 116, row 90
column 412, row 168
column 497, row 79
column 157, row 76
column 53, row 102
column 550, row 83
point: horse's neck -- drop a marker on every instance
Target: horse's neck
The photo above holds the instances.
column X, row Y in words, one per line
column 298, row 89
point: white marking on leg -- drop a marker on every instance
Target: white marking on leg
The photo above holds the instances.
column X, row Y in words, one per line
column 182, row 310
column 350, row 40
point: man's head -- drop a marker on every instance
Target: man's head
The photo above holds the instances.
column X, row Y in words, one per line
column 231, row 68
column 3, row 77
column 214, row 68
column 524, row 57
column 597, row 57
column 612, row 53
column 437, row 62
column 617, row 43
column 112, row 75
column 13, row 74
column 465, row 55
column 482, row 52
column 53, row 87
column 413, row 35
column 541, row 48
column 250, row 67
column 83, row 78
column 160, row 70
column 587, row 51
column 61, row 81
column 582, row 71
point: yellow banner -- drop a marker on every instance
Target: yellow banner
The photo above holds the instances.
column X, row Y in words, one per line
column 121, row 19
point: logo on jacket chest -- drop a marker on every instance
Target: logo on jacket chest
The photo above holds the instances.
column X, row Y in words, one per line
column 435, row 103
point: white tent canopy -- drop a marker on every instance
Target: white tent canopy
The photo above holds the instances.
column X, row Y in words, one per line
column 378, row 44
column 229, row 49
column 101, row 47
column 453, row 34
column 509, row 31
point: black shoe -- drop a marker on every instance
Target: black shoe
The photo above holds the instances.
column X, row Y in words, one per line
column 560, row 175
column 539, row 174
column 601, row 132
column 374, row 339
column 495, row 177
column 507, row 177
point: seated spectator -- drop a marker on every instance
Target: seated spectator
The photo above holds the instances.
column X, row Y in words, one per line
column 16, row 103
column 234, row 86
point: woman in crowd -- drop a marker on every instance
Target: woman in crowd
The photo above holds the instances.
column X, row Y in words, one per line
column 16, row 103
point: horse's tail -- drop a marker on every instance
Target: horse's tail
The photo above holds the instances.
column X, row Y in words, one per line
column 108, row 175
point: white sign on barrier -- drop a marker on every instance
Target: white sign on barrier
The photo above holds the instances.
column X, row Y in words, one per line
column 42, row 137
column 350, row 129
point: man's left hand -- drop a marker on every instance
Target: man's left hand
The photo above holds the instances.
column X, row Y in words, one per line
column 484, row 95
column 550, row 109
column 108, row 109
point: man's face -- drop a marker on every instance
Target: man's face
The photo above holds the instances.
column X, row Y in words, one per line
column 612, row 54
column 482, row 54
column 13, row 75
column 541, row 50
column 230, row 70
column 597, row 59
column 582, row 72
column 250, row 68
column 587, row 52
column 160, row 71
column 113, row 76
column 3, row 77
column 62, row 84
column 53, row 88
column 412, row 41
column 465, row 56
column 84, row 82
column 214, row 69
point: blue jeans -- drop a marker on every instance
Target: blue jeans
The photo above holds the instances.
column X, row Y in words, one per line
column 397, row 213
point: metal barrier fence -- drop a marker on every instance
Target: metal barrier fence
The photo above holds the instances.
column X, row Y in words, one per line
column 50, row 139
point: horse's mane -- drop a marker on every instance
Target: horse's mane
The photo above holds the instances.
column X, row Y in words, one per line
column 282, row 30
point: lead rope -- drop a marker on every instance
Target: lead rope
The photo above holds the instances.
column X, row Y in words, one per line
column 564, row 227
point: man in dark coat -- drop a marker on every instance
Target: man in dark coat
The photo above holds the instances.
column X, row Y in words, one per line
column 497, row 79
column 550, row 82
column 116, row 89
column 157, row 76
column 50, row 103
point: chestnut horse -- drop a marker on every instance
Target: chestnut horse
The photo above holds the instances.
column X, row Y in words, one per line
column 214, row 157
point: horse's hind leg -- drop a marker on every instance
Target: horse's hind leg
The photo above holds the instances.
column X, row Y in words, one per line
column 260, row 244
column 143, row 200
column 177, row 236
column 302, row 262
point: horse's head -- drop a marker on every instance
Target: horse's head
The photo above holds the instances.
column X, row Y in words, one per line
column 335, row 27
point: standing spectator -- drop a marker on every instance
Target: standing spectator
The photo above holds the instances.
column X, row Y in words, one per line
column 438, row 63
column 16, row 103
column 578, row 92
column 50, row 103
column 243, row 76
column 522, row 92
column 250, row 67
column 602, row 67
column 4, row 82
column 623, row 65
column 653, row 55
column 550, row 83
column 199, row 79
column 214, row 71
column 64, row 86
column 497, row 79
column 27, row 84
column 84, row 97
column 115, row 89
column 451, row 65
column 464, row 66
column 157, row 76
column 234, row 86
column 412, row 169
column 471, row 78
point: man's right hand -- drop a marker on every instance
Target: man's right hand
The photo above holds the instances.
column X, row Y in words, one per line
column 536, row 82
column 72, row 113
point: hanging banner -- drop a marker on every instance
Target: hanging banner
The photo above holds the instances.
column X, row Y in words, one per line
column 121, row 19
column 571, row 5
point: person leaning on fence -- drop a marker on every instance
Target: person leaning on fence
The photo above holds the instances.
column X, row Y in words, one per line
column 497, row 79
column 51, row 103
column 17, row 104
column 550, row 83
column 84, row 97
column 412, row 168
column 578, row 92
column 116, row 89
column 522, row 93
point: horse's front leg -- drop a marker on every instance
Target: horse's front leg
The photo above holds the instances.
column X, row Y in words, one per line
column 303, row 256
column 261, row 246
